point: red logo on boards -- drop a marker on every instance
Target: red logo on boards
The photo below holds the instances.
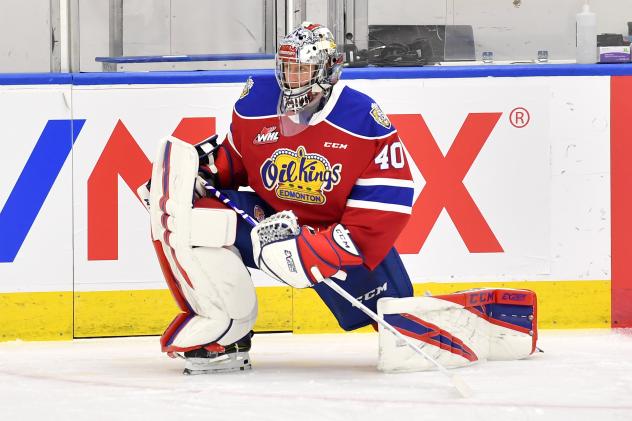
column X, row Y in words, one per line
column 444, row 188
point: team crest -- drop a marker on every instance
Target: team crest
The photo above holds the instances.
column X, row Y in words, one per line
column 247, row 87
column 379, row 116
column 300, row 176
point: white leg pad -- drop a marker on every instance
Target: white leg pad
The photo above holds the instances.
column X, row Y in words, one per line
column 197, row 244
column 459, row 329
column 447, row 332
column 507, row 344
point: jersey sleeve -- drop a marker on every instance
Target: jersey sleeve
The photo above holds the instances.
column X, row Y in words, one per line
column 380, row 202
column 231, row 170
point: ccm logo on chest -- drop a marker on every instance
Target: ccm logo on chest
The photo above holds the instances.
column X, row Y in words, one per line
column 335, row 145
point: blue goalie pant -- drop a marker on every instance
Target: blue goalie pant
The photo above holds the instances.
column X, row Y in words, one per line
column 388, row 279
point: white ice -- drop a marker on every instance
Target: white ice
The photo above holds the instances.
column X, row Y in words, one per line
column 582, row 375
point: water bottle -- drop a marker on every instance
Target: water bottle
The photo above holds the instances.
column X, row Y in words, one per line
column 586, row 35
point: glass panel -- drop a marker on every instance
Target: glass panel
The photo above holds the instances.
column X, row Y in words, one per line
column 505, row 31
column 518, row 29
column 399, row 32
column 404, row 33
column 459, row 43
column 25, row 37
column 175, row 28
column 515, row 30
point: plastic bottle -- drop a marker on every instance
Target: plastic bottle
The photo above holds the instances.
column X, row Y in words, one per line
column 586, row 28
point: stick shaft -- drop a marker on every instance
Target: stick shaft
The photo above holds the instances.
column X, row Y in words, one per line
column 341, row 291
column 457, row 382
column 460, row 385
column 224, row 199
column 354, row 301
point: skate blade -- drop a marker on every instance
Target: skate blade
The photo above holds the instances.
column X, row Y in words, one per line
column 195, row 372
column 239, row 361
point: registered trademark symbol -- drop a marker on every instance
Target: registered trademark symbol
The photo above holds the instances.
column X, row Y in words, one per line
column 519, row 117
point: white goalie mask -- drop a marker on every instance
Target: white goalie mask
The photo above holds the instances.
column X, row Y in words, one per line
column 307, row 66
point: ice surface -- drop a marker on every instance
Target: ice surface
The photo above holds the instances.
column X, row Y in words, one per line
column 582, row 375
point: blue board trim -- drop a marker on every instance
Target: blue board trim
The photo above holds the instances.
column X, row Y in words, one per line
column 36, row 78
column 512, row 70
column 34, row 183
column 227, row 76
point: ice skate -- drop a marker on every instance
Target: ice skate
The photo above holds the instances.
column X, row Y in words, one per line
column 215, row 358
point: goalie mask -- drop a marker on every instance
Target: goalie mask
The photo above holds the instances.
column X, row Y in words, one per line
column 307, row 66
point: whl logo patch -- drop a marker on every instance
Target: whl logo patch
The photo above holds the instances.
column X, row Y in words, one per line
column 267, row 135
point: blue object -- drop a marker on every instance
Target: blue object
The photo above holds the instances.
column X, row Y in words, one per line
column 392, row 195
column 262, row 103
column 429, row 333
column 388, row 279
column 34, row 183
column 228, row 76
column 254, row 206
column 352, row 103
column 511, row 314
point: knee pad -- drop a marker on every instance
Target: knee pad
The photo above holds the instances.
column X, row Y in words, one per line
column 195, row 248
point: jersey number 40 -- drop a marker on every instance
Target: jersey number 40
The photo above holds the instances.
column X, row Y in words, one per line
column 391, row 155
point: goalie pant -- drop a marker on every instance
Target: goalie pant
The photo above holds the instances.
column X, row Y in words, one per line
column 459, row 329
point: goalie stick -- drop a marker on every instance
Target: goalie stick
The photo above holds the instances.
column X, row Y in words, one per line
column 457, row 382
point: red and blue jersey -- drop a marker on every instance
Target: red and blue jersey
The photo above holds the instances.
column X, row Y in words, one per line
column 348, row 166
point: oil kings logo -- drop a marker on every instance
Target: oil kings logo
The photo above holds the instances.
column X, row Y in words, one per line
column 300, row 176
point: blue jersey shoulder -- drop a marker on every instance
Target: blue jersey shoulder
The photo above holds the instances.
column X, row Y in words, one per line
column 259, row 97
column 359, row 114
